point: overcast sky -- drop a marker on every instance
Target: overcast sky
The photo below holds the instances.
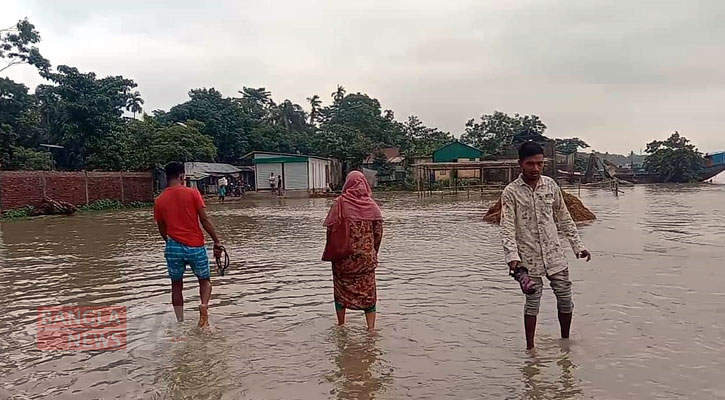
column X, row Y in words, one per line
column 616, row 74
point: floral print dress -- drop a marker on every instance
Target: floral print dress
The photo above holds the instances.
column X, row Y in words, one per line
column 354, row 277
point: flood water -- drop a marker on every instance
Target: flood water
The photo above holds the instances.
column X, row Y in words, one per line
column 649, row 317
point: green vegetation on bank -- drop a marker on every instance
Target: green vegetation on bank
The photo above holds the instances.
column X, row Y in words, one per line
column 98, row 205
column 108, row 204
column 19, row 213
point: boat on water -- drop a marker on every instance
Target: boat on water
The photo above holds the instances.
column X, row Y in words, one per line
column 713, row 165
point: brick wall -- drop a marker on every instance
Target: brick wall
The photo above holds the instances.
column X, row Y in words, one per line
column 21, row 188
column 137, row 187
column 104, row 185
column 65, row 186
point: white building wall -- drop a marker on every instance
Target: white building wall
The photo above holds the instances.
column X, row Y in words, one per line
column 318, row 174
column 263, row 171
column 296, row 176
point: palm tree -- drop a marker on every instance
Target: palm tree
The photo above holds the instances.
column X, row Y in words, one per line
column 338, row 94
column 134, row 103
column 315, row 104
column 258, row 103
column 291, row 116
column 260, row 96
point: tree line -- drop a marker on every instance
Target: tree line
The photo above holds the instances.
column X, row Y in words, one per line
column 78, row 120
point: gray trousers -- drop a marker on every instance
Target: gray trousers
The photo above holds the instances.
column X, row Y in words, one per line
column 560, row 284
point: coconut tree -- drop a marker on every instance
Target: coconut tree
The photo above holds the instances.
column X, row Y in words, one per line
column 134, row 103
column 338, row 94
column 315, row 104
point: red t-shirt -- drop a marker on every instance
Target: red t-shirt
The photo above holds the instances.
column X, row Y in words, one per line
column 178, row 207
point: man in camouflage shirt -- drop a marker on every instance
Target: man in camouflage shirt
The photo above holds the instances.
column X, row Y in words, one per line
column 532, row 214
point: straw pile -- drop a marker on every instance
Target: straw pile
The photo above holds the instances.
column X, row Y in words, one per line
column 54, row 207
column 579, row 213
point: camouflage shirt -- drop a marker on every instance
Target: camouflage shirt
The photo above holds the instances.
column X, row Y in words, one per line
column 530, row 223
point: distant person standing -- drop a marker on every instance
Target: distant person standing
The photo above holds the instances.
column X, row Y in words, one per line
column 273, row 182
column 354, row 234
column 280, row 185
column 532, row 214
column 178, row 212
column 242, row 185
column 222, row 189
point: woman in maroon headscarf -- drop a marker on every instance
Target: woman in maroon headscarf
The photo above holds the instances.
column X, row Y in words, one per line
column 354, row 233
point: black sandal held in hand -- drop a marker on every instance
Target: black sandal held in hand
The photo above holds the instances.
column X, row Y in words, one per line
column 221, row 267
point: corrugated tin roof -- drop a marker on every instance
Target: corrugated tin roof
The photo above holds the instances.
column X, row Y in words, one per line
column 391, row 153
column 201, row 170
column 252, row 153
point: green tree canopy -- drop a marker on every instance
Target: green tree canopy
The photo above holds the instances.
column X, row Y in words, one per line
column 353, row 126
column 421, row 140
column 16, row 46
column 381, row 164
column 495, row 131
column 570, row 146
column 181, row 143
column 674, row 160
column 20, row 125
column 82, row 113
column 225, row 121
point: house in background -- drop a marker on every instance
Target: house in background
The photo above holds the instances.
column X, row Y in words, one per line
column 394, row 158
column 298, row 171
column 457, row 152
column 204, row 175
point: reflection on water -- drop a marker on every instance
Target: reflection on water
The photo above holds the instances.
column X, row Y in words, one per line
column 550, row 378
column 356, row 364
column 198, row 368
column 649, row 323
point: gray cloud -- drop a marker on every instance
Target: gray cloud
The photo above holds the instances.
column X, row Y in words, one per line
column 613, row 73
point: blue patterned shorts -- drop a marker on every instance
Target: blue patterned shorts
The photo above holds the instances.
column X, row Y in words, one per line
column 178, row 256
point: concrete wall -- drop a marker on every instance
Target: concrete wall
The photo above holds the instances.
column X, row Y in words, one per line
column 21, row 188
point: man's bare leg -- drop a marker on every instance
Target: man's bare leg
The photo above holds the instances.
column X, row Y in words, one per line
column 530, row 328
column 340, row 316
column 205, row 294
column 177, row 299
column 370, row 319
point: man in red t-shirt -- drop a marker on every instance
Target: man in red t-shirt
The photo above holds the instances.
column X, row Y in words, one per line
column 178, row 212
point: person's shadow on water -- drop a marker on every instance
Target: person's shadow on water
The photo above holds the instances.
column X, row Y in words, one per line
column 539, row 385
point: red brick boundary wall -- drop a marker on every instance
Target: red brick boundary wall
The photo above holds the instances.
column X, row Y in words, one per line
column 22, row 188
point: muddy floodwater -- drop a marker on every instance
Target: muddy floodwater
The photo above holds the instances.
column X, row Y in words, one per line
column 649, row 316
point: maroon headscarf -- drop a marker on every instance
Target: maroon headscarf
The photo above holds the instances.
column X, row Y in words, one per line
column 355, row 203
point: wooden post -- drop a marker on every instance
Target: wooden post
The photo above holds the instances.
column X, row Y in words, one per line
column 428, row 183
column 616, row 186
column 417, row 181
column 85, row 174
column 42, row 180
column 482, row 181
column 450, row 181
column 123, row 193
